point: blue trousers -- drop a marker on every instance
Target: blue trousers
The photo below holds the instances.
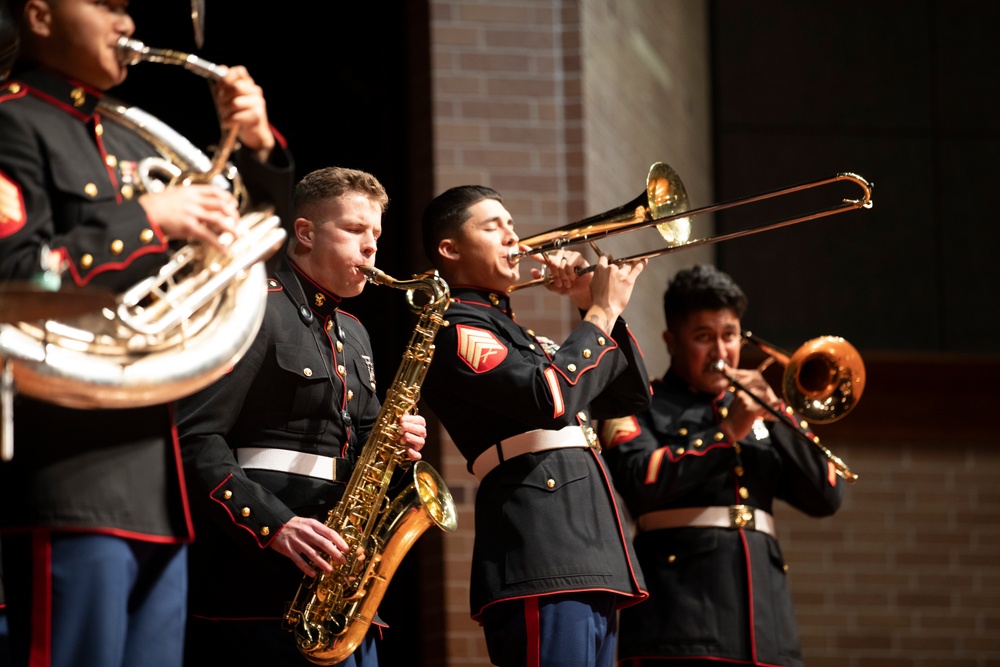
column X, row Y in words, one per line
column 84, row 600
column 259, row 643
column 560, row 630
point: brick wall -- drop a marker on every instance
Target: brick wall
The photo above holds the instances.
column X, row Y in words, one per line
column 562, row 106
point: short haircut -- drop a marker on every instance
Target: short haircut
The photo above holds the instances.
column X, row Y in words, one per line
column 701, row 287
column 445, row 214
column 321, row 185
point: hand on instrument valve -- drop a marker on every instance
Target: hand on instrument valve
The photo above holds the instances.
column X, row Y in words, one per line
column 240, row 102
column 305, row 541
column 414, row 434
column 562, row 266
column 744, row 410
column 610, row 290
column 193, row 212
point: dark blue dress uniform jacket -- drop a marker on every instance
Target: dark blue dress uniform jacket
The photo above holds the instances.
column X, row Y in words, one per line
column 68, row 182
column 701, row 604
column 306, row 385
column 545, row 522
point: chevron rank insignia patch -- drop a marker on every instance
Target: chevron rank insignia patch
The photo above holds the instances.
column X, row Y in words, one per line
column 12, row 212
column 479, row 348
column 618, row 430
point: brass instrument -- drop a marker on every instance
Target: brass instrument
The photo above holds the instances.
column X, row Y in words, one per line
column 172, row 333
column 823, row 381
column 331, row 613
column 664, row 205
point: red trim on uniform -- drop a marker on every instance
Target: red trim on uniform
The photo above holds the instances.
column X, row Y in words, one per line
column 656, row 459
column 13, row 96
column 82, row 281
column 635, row 342
column 278, row 136
column 591, row 366
column 179, row 467
column 233, row 518
column 40, row 648
column 613, row 435
column 558, row 405
column 632, row 598
column 13, row 213
column 343, row 381
column 73, row 111
column 653, row 468
column 831, row 473
column 533, row 633
column 753, row 634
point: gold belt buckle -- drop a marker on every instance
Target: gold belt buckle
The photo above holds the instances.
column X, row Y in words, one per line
column 590, row 435
column 742, row 516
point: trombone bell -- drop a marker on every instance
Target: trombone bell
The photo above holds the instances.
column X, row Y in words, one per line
column 824, row 379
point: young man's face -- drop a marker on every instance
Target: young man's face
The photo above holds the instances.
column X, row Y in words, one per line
column 482, row 246
column 344, row 236
column 78, row 38
column 705, row 337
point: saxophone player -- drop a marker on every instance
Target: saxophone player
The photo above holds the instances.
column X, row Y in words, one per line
column 269, row 448
column 93, row 510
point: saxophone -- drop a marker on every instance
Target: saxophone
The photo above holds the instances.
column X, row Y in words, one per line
column 331, row 613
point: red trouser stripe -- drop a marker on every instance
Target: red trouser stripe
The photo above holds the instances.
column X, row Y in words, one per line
column 532, row 631
column 41, row 600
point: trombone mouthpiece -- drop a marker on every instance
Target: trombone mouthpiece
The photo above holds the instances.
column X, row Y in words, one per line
column 719, row 366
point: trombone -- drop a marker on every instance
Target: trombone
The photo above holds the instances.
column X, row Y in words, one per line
column 665, row 205
column 823, row 381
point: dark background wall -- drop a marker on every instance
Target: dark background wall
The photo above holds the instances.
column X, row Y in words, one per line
column 903, row 92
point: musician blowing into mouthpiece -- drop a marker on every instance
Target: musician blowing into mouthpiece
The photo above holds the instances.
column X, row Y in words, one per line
column 93, row 506
column 699, row 472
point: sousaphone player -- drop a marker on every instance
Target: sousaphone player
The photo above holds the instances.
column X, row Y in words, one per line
column 93, row 507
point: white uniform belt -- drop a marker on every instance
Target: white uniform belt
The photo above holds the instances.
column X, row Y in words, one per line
column 539, row 440
column 733, row 516
column 285, row 460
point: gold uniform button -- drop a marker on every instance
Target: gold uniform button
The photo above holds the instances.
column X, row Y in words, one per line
column 350, row 394
column 86, row 261
column 531, row 332
column 117, row 246
column 99, row 129
column 788, row 409
column 127, row 191
column 737, row 448
column 571, row 368
column 14, row 88
column 601, row 340
column 744, row 493
column 804, row 424
column 698, row 442
column 680, row 450
column 531, row 346
column 340, row 346
column 341, row 370
column 551, row 483
column 719, row 436
column 308, row 372
column 671, row 558
column 265, row 531
column 90, row 189
column 329, row 324
column 227, row 494
column 581, row 415
column 147, row 235
column 111, row 161
column 586, row 354
column 784, row 568
column 723, row 412
column 682, row 431
column 739, row 471
column 245, row 511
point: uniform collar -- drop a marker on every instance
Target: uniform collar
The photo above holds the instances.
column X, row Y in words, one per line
column 321, row 301
column 484, row 297
column 72, row 95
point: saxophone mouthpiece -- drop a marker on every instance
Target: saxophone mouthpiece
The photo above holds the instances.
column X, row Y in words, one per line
column 130, row 51
column 373, row 275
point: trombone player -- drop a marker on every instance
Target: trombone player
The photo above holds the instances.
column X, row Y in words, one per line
column 93, row 510
column 699, row 471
